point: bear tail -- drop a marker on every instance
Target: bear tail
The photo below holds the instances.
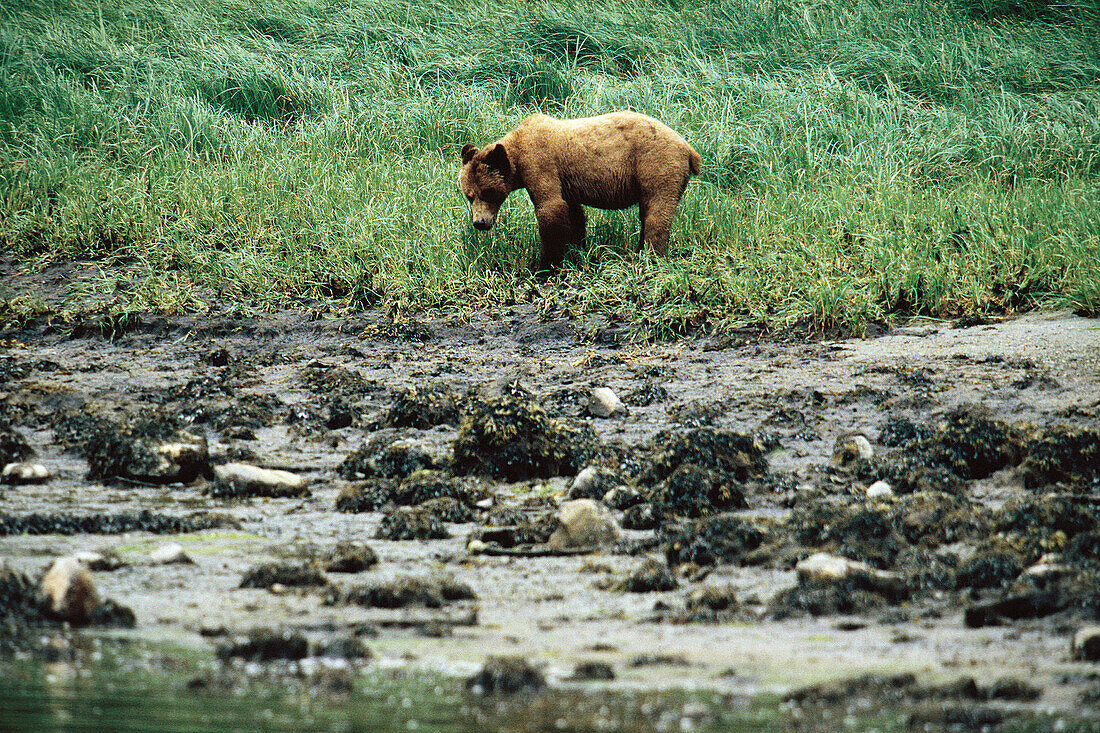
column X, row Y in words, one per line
column 695, row 163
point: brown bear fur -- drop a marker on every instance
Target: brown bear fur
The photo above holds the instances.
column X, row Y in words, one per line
column 612, row 161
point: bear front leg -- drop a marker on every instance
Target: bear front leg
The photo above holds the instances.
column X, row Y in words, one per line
column 555, row 234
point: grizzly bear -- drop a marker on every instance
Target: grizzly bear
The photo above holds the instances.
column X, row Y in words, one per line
column 611, row 161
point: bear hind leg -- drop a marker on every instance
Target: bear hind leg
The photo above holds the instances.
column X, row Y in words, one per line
column 656, row 219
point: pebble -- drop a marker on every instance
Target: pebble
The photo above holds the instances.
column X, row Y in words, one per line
column 99, row 561
column 24, row 473
column 170, row 554
column 603, row 402
column 68, row 591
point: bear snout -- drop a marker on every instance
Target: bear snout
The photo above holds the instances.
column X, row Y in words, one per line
column 483, row 224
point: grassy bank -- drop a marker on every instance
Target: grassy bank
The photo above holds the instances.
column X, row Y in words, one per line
column 862, row 161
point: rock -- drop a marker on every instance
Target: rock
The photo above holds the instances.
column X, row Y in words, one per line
column 170, row 554
column 476, row 547
column 850, row 448
column 506, row 676
column 592, row 672
column 68, row 592
column 824, row 569
column 881, row 491
column 603, row 402
column 153, row 450
column 622, row 497
column 585, row 523
column 24, row 473
column 244, row 480
column 650, row 576
column 716, row 539
column 405, row 523
column 424, row 407
column 1024, row 605
column 593, row 482
column 350, row 557
column 99, row 561
column 265, row 645
column 13, row 446
column 269, row 575
column 1086, row 644
column 403, row 592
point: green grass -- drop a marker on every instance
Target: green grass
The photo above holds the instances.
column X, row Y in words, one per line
column 863, row 161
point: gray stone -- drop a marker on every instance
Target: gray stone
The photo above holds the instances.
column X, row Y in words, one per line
column 242, row 479
column 585, row 523
column 881, row 491
column 603, row 402
column 170, row 554
column 1086, row 644
column 850, row 448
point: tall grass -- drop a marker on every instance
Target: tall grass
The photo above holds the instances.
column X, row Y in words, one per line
column 863, row 161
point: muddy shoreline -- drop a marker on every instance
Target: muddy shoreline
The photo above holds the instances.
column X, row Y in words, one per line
column 301, row 392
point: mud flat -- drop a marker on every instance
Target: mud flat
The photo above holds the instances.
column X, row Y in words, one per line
column 912, row 518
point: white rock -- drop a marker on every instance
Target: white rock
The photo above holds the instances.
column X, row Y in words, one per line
column 1086, row 643
column 880, row 491
column 476, row 547
column 98, row 560
column 593, row 482
column 484, row 503
column 68, row 591
column 247, row 480
column 821, row 568
column 849, row 448
column 170, row 554
column 585, row 523
column 603, row 402
column 24, row 473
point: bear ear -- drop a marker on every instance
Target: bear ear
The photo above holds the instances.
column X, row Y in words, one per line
column 497, row 159
column 468, row 152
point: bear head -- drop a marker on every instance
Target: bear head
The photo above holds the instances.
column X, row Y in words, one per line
column 485, row 180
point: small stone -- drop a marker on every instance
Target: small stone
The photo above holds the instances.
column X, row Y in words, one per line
column 350, row 557
column 584, row 523
column 476, row 547
column 170, row 554
column 603, row 402
column 649, row 577
column 484, row 503
column 24, row 473
column 68, row 592
column 880, row 491
column 1086, row 644
column 593, row 482
column 593, row 671
column 242, row 479
column 99, row 561
column 850, row 448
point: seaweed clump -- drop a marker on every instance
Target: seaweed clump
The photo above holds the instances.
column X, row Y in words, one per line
column 290, row 575
column 722, row 538
column 513, row 438
column 384, row 458
column 1063, row 454
column 405, row 591
column 151, row 450
column 737, row 454
column 412, row 524
column 13, row 446
column 419, row 487
column 424, row 407
column 143, row 521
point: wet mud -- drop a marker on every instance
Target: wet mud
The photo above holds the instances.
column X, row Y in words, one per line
column 824, row 519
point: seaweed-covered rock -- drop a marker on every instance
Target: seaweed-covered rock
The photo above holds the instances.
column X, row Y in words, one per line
column 972, row 445
column 593, row 482
column 149, row 450
column 718, row 450
column 424, row 407
column 13, row 446
column 925, row 571
column 936, row 518
column 67, row 591
column 1060, row 453
column 1038, row 524
column 693, row 491
column 350, row 557
column 506, row 676
column 291, row 575
column 722, row 538
column 406, row 591
column 24, row 473
column 385, row 458
column 266, row 645
column 415, row 489
column 512, row 529
column 513, row 438
column 990, row 568
column 404, row 523
column 866, row 533
column 901, row 431
column 640, row 516
column 649, row 577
